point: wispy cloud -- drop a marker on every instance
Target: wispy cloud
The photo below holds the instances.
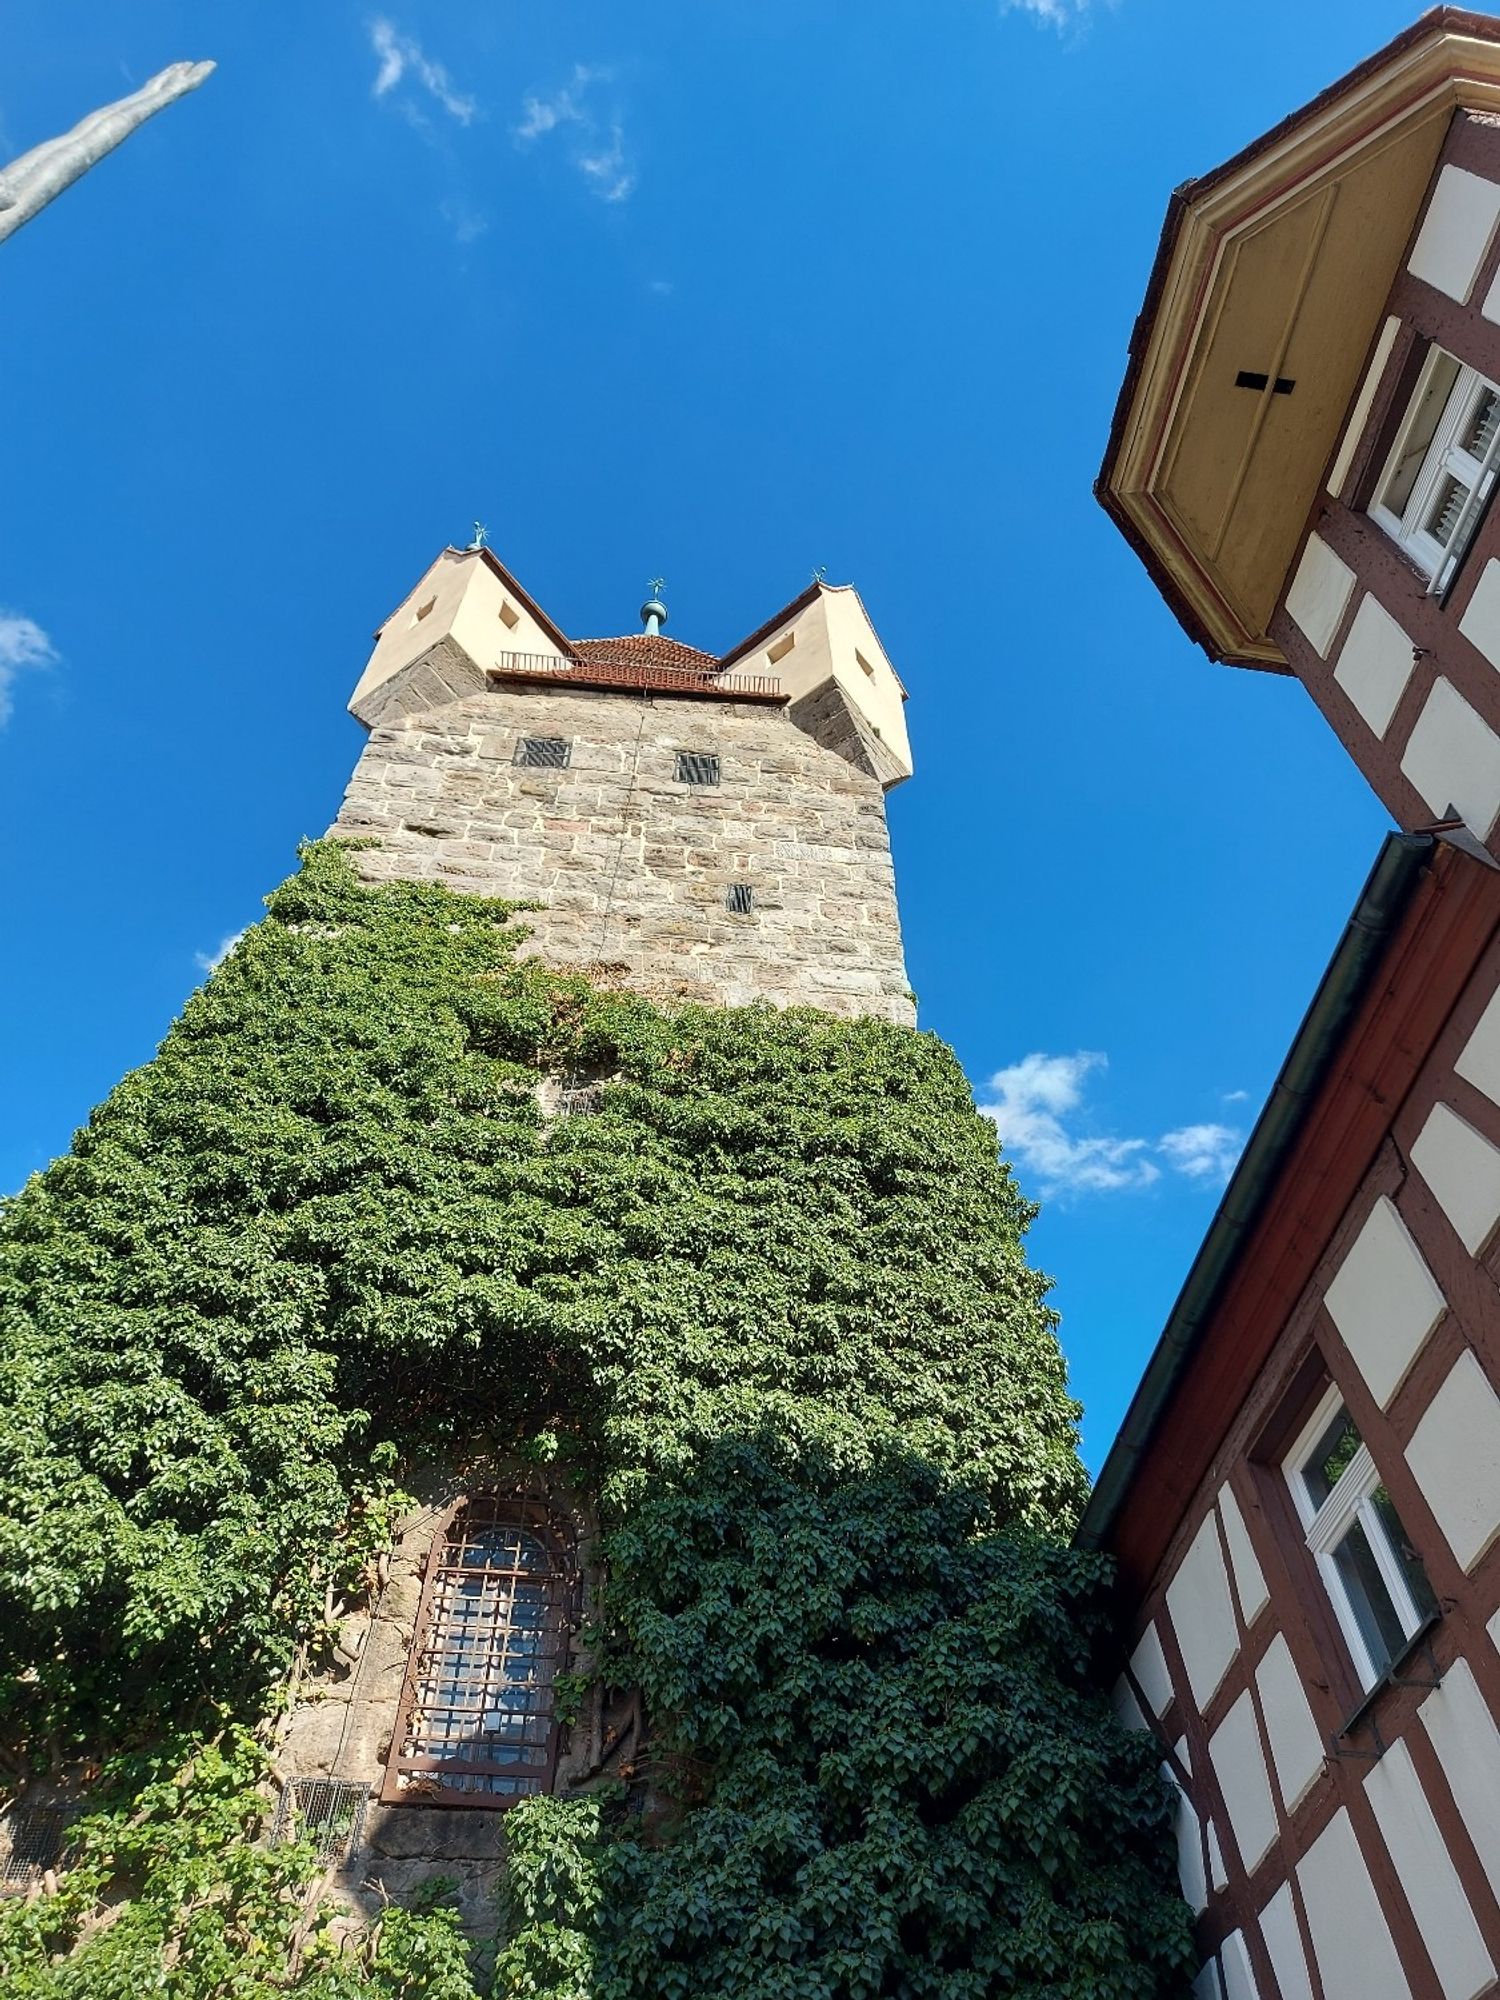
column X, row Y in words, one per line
column 1059, row 14
column 468, row 224
column 403, row 57
column 1202, row 1152
column 210, row 961
column 1040, row 1114
column 598, row 148
column 23, row 644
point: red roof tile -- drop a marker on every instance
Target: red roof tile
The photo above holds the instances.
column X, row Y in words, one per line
column 646, row 649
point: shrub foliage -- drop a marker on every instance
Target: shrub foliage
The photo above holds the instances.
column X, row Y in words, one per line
column 769, row 1305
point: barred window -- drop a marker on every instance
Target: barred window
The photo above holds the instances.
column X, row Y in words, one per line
column 544, row 753
column 477, row 1724
column 32, row 1840
column 697, row 767
column 739, row 899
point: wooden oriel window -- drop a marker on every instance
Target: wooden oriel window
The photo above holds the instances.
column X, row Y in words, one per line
column 477, row 1724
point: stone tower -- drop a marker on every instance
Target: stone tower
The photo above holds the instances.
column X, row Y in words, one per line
column 692, row 826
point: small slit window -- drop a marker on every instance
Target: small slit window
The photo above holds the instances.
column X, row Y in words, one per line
column 1372, row 1574
column 422, row 610
column 510, row 618
column 739, row 899
column 327, row 1811
column 1441, row 469
column 779, row 648
column 697, row 767
column 478, row 1724
column 544, row 753
column 864, row 663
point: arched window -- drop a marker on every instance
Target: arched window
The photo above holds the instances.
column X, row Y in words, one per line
column 477, row 1724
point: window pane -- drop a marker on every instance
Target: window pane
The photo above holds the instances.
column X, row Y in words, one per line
column 1369, row 1600
column 1331, row 1456
column 1407, row 1559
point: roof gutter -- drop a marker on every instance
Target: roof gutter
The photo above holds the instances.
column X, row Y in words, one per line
column 1351, row 972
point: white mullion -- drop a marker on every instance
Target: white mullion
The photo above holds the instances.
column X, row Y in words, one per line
column 1343, row 1610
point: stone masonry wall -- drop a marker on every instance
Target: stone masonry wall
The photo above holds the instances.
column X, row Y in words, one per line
column 631, row 867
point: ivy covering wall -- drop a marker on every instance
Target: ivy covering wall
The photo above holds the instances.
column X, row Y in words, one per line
column 770, row 1306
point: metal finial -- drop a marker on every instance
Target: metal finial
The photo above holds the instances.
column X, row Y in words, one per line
column 820, row 572
column 654, row 610
column 481, row 536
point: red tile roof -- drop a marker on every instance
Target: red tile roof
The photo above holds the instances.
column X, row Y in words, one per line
column 646, row 649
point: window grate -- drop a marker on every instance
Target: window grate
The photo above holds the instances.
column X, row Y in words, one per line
column 327, row 1811
column 544, row 753
column 478, row 1725
column 697, row 767
column 582, row 1100
column 31, row 1842
column 740, row 899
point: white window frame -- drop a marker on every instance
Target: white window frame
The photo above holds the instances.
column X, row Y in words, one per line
column 1351, row 1500
column 1444, row 458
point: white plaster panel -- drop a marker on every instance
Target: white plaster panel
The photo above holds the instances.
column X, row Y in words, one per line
column 1206, row 1986
column 1351, row 1938
column 1320, row 594
column 1480, row 623
column 1457, row 1718
column 1234, row 1962
column 1375, row 663
column 1455, row 1456
column 1442, row 1911
column 1248, row 1581
column 1479, row 1063
column 1453, row 758
column 1122, row 1700
column 1202, row 1615
column 1189, row 1848
column 1235, row 1749
column 1359, row 416
column 1218, row 1874
column 1384, row 1300
column 1493, row 1628
column 1148, row 1664
column 1463, row 1170
column 1296, row 1747
column 1278, row 1926
column 1183, row 1755
column 1455, row 232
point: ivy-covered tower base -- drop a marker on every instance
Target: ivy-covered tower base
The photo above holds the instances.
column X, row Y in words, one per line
column 517, row 1480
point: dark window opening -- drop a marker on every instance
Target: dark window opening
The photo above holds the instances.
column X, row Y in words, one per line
column 544, row 753
column 1249, row 379
column 478, row 1723
column 697, row 767
column 31, row 1842
column 740, row 899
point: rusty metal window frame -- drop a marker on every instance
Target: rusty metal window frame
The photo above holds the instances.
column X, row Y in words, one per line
column 477, row 1726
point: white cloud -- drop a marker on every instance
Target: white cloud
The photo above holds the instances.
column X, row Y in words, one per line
column 1234, row 1097
column 599, row 151
column 403, row 56
column 1030, row 1101
column 1038, row 1106
column 1059, row 14
column 1202, row 1152
column 23, row 644
column 210, row 961
column 468, row 224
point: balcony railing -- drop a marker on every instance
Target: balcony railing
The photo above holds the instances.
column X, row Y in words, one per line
column 568, row 669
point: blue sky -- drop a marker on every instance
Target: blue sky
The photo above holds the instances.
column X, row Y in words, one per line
column 724, row 292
